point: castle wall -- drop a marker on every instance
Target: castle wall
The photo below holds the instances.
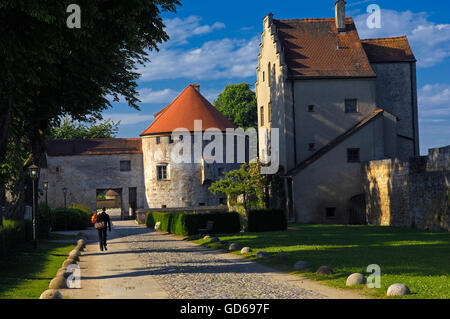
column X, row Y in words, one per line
column 412, row 193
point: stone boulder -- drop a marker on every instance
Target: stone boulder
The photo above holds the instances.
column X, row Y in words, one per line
column 63, row 272
column 51, row 294
column 301, row 265
column 75, row 252
column 81, row 243
column 69, row 261
column 59, row 282
column 262, row 254
column 158, row 226
column 324, row 271
column 356, row 279
column 398, row 290
column 206, row 237
column 246, row 250
column 234, row 247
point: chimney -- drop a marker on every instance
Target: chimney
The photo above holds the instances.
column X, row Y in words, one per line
column 197, row 87
column 340, row 15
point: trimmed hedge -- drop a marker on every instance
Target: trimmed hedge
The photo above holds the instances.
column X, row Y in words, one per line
column 12, row 234
column 188, row 223
column 270, row 219
column 77, row 219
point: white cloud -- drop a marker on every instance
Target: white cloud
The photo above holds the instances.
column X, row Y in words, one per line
column 147, row 95
column 180, row 30
column 129, row 118
column 434, row 101
column 225, row 58
column 430, row 42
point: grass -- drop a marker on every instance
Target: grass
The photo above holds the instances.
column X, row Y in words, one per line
column 27, row 273
column 418, row 259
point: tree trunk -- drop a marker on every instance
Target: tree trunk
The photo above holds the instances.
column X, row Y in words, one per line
column 5, row 123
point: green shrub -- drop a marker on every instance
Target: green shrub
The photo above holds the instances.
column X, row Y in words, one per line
column 12, row 234
column 271, row 219
column 187, row 223
column 76, row 219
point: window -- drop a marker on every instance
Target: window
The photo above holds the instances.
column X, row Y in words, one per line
column 330, row 212
column 163, row 206
column 125, row 166
column 274, row 72
column 311, row 108
column 269, row 74
column 264, row 76
column 201, row 204
column 161, row 172
column 262, row 115
column 222, row 201
column 170, row 139
column 312, row 146
column 353, row 155
column 57, row 169
column 158, row 140
column 351, row 106
column 269, row 112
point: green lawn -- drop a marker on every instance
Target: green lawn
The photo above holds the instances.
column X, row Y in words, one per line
column 419, row 259
column 27, row 273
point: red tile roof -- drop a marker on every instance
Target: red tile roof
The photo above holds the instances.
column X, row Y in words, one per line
column 101, row 146
column 189, row 106
column 313, row 48
column 395, row 49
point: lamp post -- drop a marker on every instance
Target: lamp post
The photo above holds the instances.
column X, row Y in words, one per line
column 34, row 174
column 65, row 208
column 45, row 186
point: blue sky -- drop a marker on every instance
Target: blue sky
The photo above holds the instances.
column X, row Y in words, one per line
column 215, row 43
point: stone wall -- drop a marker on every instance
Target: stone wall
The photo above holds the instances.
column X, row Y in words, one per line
column 412, row 194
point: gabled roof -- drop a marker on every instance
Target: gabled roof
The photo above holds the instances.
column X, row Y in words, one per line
column 99, row 146
column 313, row 48
column 334, row 143
column 189, row 106
column 394, row 49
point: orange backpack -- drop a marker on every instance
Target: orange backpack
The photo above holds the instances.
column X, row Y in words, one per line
column 94, row 218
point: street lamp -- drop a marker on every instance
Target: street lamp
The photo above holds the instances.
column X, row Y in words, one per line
column 45, row 186
column 65, row 208
column 34, row 174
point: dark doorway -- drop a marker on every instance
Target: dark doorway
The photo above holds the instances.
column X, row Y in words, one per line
column 132, row 202
column 111, row 199
column 357, row 210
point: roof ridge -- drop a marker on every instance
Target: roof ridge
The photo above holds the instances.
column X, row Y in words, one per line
column 338, row 140
column 386, row 38
column 313, row 19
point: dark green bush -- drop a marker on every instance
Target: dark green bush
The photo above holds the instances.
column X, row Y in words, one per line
column 187, row 223
column 12, row 234
column 75, row 218
column 271, row 219
column 43, row 220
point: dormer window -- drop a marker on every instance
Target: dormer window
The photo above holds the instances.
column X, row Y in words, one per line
column 351, row 106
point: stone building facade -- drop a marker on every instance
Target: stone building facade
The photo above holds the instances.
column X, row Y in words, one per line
column 142, row 170
column 413, row 193
column 337, row 101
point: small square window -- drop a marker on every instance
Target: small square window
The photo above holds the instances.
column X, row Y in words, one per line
column 331, row 212
column 262, row 115
column 353, row 155
column 312, row 146
column 311, row 108
column 158, row 140
column 170, row 139
column 270, row 112
column 351, row 106
column 125, row 166
column 161, row 171
column 163, row 206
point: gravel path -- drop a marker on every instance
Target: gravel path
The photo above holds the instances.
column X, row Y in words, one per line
column 187, row 270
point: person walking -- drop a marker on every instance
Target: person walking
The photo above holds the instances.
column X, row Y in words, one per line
column 101, row 223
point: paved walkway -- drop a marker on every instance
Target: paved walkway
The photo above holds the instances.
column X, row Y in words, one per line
column 141, row 263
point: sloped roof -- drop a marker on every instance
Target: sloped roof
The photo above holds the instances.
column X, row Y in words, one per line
column 101, row 146
column 189, row 106
column 394, row 49
column 313, row 48
column 314, row 157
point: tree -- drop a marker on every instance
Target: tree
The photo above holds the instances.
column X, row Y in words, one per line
column 238, row 104
column 76, row 130
column 247, row 182
column 48, row 70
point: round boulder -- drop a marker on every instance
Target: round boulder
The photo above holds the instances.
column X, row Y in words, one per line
column 68, row 262
column 262, row 254
column 356, row 279
column 62, row 272
column 281, row 258
column 80, row 248
column 51, row 294
column 75, row 252
column 301, row 265
column 81, row 243
column 58, row 282
column 246, row 250
column 234, row 247
column 398, row 290
column 324, row 271
column 206, row 237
